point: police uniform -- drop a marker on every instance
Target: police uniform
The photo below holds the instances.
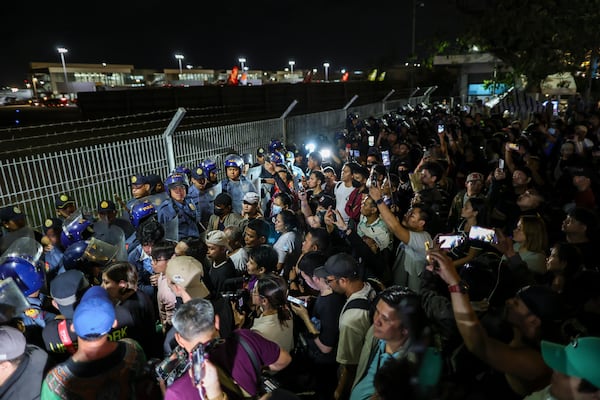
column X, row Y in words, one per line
column 143, row 264
column 237, row 190
column 184, row 212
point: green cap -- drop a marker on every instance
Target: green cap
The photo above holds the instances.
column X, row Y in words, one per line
column 578, row 359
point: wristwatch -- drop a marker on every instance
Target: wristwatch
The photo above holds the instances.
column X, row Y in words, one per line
column 460, row 287
column 379, row 201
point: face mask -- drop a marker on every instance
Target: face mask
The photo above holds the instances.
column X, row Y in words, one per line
column 356, row 183
column 403, row 175
column 275, row 209
column 219, row 212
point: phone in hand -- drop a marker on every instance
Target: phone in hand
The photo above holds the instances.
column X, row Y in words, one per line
column 487, row 235
column 385, row 157
column 441, row 128
column 513, row 146
column 298, row 301
column 501, row 163
column 371, row 141
column 450, row 241
column 198, row 358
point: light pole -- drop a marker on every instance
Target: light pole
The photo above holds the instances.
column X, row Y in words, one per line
column 62, row 51
column 292, row 63
column 326, row 65
column 242, row 61
column 412, row 44
column 179, row 58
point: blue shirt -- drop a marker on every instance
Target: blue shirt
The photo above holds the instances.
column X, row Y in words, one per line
column 237, row 190
column 186, row 217
column 365, row 388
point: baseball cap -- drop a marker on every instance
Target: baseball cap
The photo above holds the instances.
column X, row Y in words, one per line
column 474, row 176
column 579, row 358
column 106, row 206
column 320, row 272
column 251, row 198
column 95, row 314
column 199, row 173
column 12, row 343
column 223, row 199
column 326, row 201
column 329, row 169
column 11, row 213
column 64, row 289
column 542, row 301
column 52, row 223
column 341, row 265
column 187, row 272
column 63, row 200
column 138, row 179
column 260, row 152
column 217, row 238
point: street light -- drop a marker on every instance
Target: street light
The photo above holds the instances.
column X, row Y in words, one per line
column 292, row 63
column 242, row 61
column 62, row 51
column 179, row 57
column 326, row 65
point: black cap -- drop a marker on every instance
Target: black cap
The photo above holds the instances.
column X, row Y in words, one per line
column 542, row 301
column 11, row 213
column 63, row 200
column 341, row 265
column 106, row 206
column 66, row 289
column 52, row 223
column 223, row 199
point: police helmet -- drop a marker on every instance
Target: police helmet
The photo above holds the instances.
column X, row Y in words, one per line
column 176, row 179
column 210, row 166
column 73, row 257
column 277, row 158
column 76, row 230
column 140, row 211
column 182, row 169
column 234, row 160
column 28, row 277
column 275, row 145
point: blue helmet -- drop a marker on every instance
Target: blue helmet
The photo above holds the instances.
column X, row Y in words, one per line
column 75, row 230
column 29, row 277
column 140, row 211
column 74, row 256
column 200, row 172
column 275, row 145
column 182, row 169
column 176, row 179
column 234, row 160
column 277, row 158
column 210, row 166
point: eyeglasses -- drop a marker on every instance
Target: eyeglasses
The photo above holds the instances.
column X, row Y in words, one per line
column 159, row 259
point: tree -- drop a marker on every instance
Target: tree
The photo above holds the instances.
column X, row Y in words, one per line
column 535, row 37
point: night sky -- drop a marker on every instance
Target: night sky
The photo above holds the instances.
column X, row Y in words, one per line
column 268, row 33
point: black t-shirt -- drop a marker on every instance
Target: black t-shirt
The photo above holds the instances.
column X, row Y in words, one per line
column 139, row 321
column 326, row 314
column 218, row 276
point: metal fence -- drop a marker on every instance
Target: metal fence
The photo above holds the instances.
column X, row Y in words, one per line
column 97, row 172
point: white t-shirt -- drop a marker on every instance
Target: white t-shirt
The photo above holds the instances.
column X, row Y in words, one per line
column 342, row 194
column 285, row 245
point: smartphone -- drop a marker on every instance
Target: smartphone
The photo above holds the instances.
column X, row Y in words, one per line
column 371, row 141
column 298, row 301
column 487, row 235
column 434, row 263
column 385, row 157
column 513, row 146
column 552, row 131
column 450, row 241
column 355, row 153
column 501, row 163
column 441, row 128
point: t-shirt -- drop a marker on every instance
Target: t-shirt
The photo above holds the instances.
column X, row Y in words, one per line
column 231, row 356
column 111, row 377
column 325, row 317
column 353, row 325
column 410, row 260
column 285, row 245
column 342, row 194
column 269, row 327
column 218, row 274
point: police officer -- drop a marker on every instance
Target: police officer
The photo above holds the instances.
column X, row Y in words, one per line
column 179, row 207
column 236, row 184
column 202, row 195
column 210, row 167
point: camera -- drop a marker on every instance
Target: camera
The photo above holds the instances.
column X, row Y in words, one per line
column 241, row 297
column 198, row 357
column 173, row 366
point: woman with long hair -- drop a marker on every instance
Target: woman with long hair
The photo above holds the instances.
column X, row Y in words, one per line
column 275, row 320
column 472, row 214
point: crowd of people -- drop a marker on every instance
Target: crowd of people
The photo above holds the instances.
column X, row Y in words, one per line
column 432, row 253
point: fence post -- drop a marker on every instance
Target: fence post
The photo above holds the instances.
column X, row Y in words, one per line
column 168, row 136
column 387, row 96
column 428, row 92
column 352, row 100
column 284, row 116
